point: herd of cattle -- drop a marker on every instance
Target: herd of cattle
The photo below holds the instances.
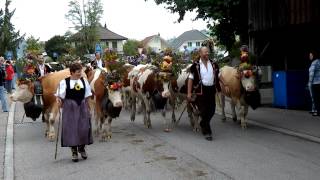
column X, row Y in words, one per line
column 142, row 85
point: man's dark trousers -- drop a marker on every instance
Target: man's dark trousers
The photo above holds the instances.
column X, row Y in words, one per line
column 207, row 106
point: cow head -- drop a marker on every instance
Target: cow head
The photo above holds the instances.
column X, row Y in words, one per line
column 164, row 78
column 24, row 91
column 249, row 84
column 113, row 86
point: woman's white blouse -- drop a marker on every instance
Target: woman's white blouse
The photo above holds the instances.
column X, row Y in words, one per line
column 61, row 90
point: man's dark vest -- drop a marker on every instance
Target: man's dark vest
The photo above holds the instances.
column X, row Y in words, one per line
column 195, row 70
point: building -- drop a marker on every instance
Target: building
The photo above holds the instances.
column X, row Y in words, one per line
column 189, row 40
column 281, row 34
column 108, row 39
column 111, row 39
column 155, row 42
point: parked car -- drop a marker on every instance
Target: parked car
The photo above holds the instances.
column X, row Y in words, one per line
column 55, row 66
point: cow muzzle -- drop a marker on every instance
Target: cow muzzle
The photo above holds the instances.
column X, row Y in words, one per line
column 165, row 94
column 118, row 104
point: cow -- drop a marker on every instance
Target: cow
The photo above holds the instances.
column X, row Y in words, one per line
column 240, row 85
column 178, row 89
column 152, row 88
column 106, row 103
column 25, row 92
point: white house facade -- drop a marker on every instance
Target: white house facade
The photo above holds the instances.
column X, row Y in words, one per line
column 155, row 42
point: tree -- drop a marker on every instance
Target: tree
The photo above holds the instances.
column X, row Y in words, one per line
column 130, row 48
column 85, row 18
column 9, row 39
column 57, row 44
column 34, row 46
column 226, row 18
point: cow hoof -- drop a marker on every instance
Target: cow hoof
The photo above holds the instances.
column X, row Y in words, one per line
column 96, row 133
column 132, row 119
column 109, row 137
column 244, row 126
column 46, row 134
column 167, row 130
column 51, row 137
column 149, row 126
column 224, row 119
column 234, row 119
column 197, row 129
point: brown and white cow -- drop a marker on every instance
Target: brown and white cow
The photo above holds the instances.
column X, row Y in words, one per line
column 107, row 102
column 178, row 89
column 25, row 92
column 241, row 87
column 153, row 91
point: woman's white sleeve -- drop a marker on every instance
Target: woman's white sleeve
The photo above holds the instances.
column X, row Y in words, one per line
column 88, row 89
column 61, row 90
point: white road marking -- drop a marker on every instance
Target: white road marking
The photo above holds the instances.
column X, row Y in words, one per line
column 8, row 157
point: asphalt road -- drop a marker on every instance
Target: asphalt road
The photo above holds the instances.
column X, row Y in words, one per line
column 135, row 152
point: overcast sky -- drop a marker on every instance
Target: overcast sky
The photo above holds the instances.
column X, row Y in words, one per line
column 134, row 19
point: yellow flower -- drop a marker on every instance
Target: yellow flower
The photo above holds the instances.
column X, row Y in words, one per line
column 77, row 87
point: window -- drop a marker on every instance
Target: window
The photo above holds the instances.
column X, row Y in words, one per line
column 189, row 44
column 107, row 44
column 114, row 45
column 198, row 44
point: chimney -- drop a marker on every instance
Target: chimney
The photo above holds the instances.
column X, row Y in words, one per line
column 105, row 25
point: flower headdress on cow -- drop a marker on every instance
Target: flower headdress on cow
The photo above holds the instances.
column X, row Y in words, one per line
column 115, row 69
column 246, row 67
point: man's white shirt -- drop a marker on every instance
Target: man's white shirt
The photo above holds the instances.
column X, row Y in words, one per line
column 99, row 63
column 206, row 73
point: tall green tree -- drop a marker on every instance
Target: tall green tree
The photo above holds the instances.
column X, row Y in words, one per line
column 57, row 44
column 226, row 18
column 130, row 48
column 85, row 17
column 34, row 46
column 9, row 38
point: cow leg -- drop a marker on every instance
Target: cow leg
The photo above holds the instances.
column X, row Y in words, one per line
column 133, row 108
column 243, row 115
column 222, row 103
column 106, row 132
column 98, row 119
column 190, row 114
column 233, row 109
column 196, row 115
column 147, row 110
column 173, row 106
column 52, row 118
column 46, row 120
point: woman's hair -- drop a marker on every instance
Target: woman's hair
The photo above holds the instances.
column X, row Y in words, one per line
column 75, row 67
column 315, row 54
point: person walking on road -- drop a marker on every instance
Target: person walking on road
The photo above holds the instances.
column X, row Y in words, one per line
column 314, row 80
column 203, row 81
column 3, row 96
column 72, row 95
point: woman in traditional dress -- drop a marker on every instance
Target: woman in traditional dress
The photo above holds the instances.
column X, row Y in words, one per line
column 72, row 95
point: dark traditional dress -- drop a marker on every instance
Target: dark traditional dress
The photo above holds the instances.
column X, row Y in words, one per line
column 76, row 123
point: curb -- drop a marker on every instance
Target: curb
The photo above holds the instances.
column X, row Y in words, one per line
column 279, row 129
column 8, row 157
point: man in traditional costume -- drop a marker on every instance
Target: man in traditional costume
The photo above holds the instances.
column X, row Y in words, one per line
column 72, row 95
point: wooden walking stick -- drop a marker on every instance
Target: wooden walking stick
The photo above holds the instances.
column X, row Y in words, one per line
column 185, row 107
column 57, row 140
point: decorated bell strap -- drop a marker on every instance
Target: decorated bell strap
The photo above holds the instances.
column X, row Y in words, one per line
column 38, row 101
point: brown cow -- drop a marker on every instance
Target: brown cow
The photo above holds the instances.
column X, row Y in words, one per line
column 241, row 87
column 49, row 83
column 107, row 103
column 178, row 89
column 147, row 85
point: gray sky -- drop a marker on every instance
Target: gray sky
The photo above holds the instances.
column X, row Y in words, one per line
column 134, row 19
